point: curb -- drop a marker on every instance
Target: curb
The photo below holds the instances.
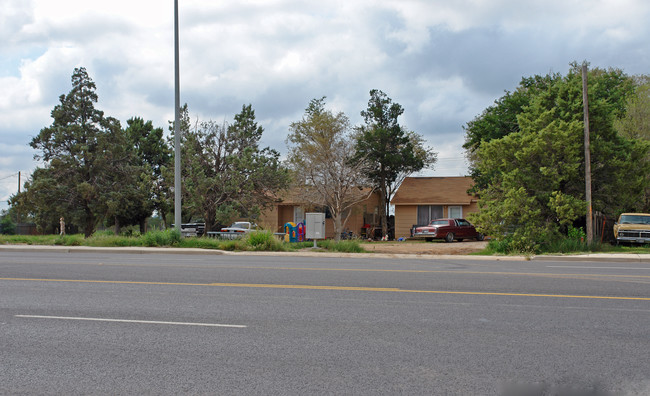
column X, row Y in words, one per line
column 125, row 250
column 601, row 257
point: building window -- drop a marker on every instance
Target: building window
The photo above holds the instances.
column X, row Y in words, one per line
column 298, row 214
column 426, row 213
column 455, row 212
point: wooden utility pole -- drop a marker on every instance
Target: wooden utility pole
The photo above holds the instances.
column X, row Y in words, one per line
column 585, row 103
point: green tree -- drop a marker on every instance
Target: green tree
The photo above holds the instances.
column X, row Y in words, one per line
column 636, row 122
column 390, row 151
column 321, row 153
column 153, row 156
column 500, row 120
column 226, row 175
column 536, row 185
column 7, row 225
column 86, row 161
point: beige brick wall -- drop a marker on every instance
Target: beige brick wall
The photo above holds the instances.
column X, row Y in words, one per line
column 406, row 216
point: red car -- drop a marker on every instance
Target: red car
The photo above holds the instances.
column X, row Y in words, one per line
column 448, row 229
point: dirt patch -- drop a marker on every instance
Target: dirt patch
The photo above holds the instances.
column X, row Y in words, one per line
column 421, row 247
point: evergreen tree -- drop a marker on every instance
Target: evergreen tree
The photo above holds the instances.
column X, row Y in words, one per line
column 389, row 150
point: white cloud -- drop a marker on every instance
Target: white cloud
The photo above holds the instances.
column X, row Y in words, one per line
column 443, row 61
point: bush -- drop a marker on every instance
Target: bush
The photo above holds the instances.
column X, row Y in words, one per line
column 263, row 241
column 7, row 226
column 169, row 237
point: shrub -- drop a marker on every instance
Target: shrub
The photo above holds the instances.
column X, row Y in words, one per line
column 263, row 241
column 169, row 237
column 7, row 226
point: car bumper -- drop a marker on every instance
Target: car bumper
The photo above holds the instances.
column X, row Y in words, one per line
column 424, row 235
column 627, row 239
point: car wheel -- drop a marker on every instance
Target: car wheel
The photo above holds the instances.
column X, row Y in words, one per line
column 449, row 237
column 480, row 237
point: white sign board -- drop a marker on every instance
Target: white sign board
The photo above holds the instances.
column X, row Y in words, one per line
column 315, row 225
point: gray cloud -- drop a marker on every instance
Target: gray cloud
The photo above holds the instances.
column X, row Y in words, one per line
column 443, row 61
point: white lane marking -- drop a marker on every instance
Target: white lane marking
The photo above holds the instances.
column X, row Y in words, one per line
column 131, row 321
column 575, row 266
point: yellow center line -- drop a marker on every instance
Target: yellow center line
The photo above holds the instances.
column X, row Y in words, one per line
column 540, row 274
column 339, row 288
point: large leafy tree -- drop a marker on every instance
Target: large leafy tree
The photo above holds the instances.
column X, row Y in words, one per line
column 500, row 120
column 153, row 157
column 321, row 153
column 390, row 151
column 87, row 162
column 226, row 175
column 536, row 173
column 636, row 122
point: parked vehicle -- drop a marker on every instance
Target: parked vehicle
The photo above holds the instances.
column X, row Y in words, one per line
column 192, row 229
column 236, row 230
column 632, row 228
column 447, row 229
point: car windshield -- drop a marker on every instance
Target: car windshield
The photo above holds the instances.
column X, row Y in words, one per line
column 239, row 224
column 439, row 222
column 635, row 219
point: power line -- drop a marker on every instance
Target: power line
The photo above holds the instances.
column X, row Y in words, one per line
column 7, row 177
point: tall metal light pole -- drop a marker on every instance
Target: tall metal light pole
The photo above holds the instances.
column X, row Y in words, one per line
column 177, row 127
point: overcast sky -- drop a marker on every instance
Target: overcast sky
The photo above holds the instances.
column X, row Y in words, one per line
column 443, row 61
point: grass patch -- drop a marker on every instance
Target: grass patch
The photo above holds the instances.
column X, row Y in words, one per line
column 347, row 246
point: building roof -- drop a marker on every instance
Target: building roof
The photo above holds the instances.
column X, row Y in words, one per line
column 434, row 191
column 295, row 195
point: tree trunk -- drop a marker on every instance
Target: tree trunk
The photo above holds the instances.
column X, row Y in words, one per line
column 143, row 226
column 338, row 227
column 384, row 213
column 118, row 228
column 163, row 215
column 208, row 226
column 89, row 227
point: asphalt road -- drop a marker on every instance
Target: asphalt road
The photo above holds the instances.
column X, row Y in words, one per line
column 77, row 323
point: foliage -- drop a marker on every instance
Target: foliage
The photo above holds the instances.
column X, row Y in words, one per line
column 153, row 157
column 535, row 187
column 577, row 234
column 88, row 168
column 226, row 175
column 347, row 246
column 389, row 150
column 636, row 122
column 500, row 120
column 321, row 154
column 170, row 237
column 263, row 240
column 7, row 226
